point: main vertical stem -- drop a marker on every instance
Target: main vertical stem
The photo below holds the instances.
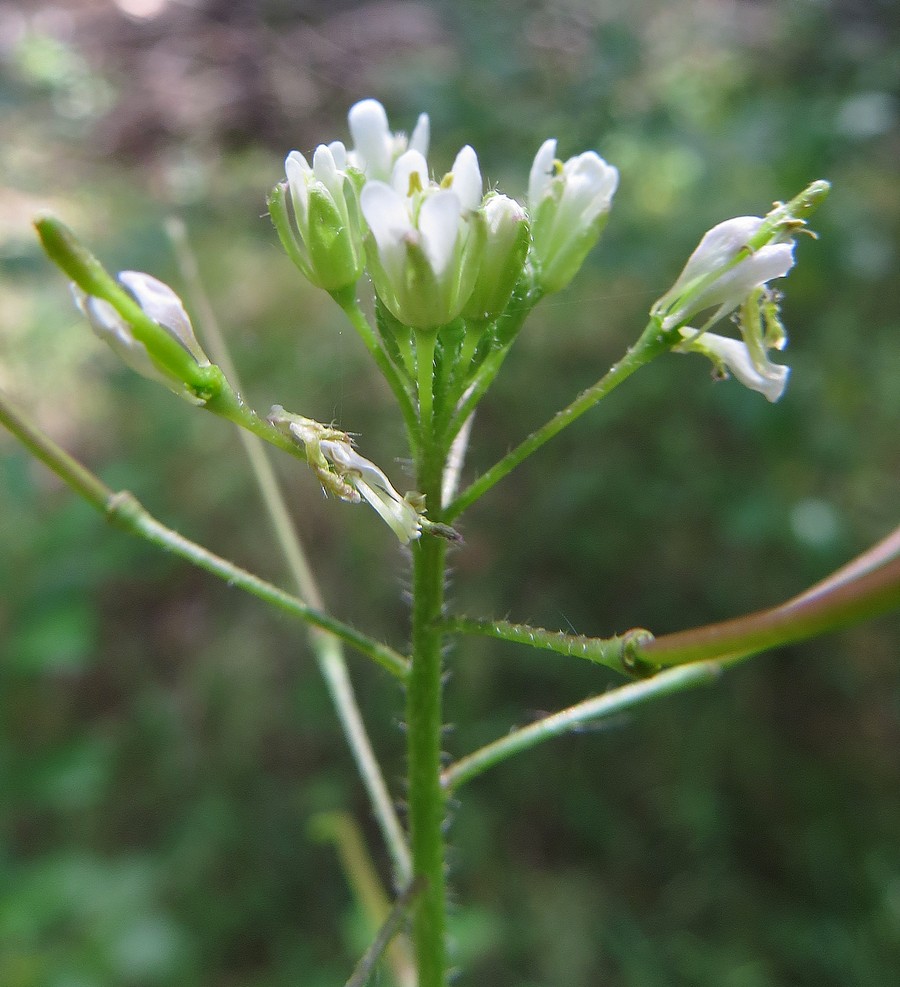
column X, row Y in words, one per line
column 423, row 720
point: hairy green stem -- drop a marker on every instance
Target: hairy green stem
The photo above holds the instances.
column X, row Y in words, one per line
column 651, row 343
column 326, row 647
column 425, row 343
column 612, row 652
column 423, row 725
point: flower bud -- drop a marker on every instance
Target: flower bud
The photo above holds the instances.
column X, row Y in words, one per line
column 162, row 306
column 325, row 238
column 568, row 204
column 505, row 250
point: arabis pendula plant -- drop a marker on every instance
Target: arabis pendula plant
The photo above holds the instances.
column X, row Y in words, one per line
column 452, row 277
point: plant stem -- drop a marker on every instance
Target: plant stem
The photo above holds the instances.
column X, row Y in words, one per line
column 425, row 343
column 423, row 725
column 625, row 697
column 650, row 344
column 326, row 647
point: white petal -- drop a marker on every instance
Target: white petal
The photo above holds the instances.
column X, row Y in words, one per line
column 339, row 153
column 387, row 214
column 421, row 135
column 109, row 326
column 299, row 174
column 770, row 381
column 439, row 225
column 467, row 182
column 325, row 170
column 165, row 308
column 718, row 246
column 541, row 172
column 372, row 139
column 412, row 162
column 593, row 181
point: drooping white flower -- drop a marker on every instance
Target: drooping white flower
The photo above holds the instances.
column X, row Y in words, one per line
column 568, row 204
column 427, row 238
column 325, row 239
column 364, row 476
column 723, row 271
column 160, row 303
column 375, row 146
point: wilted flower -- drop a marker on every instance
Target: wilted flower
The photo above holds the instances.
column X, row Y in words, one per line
column 159, row 303
column 364, row 476
column 427, row 238
column 568, row 204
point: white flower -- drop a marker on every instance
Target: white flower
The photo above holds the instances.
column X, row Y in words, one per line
column 365, row 477
column 734, row 356
column 159, row 303
column 375, row 147
column 427, row 238
column 717, row 276
column 325, row 240
column 568, row 204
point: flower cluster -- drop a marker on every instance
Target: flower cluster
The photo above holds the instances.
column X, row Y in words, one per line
column 435, row 248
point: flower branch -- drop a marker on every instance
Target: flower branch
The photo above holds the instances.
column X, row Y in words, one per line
column 568, row 720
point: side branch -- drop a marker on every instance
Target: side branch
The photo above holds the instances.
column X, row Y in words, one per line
column 652, row 342
column 567, row 720
column 124, row 510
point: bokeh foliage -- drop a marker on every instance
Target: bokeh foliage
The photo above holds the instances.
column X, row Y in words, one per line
column 164, row 743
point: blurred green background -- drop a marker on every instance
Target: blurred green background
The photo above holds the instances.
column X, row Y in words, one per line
column 164, row 741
